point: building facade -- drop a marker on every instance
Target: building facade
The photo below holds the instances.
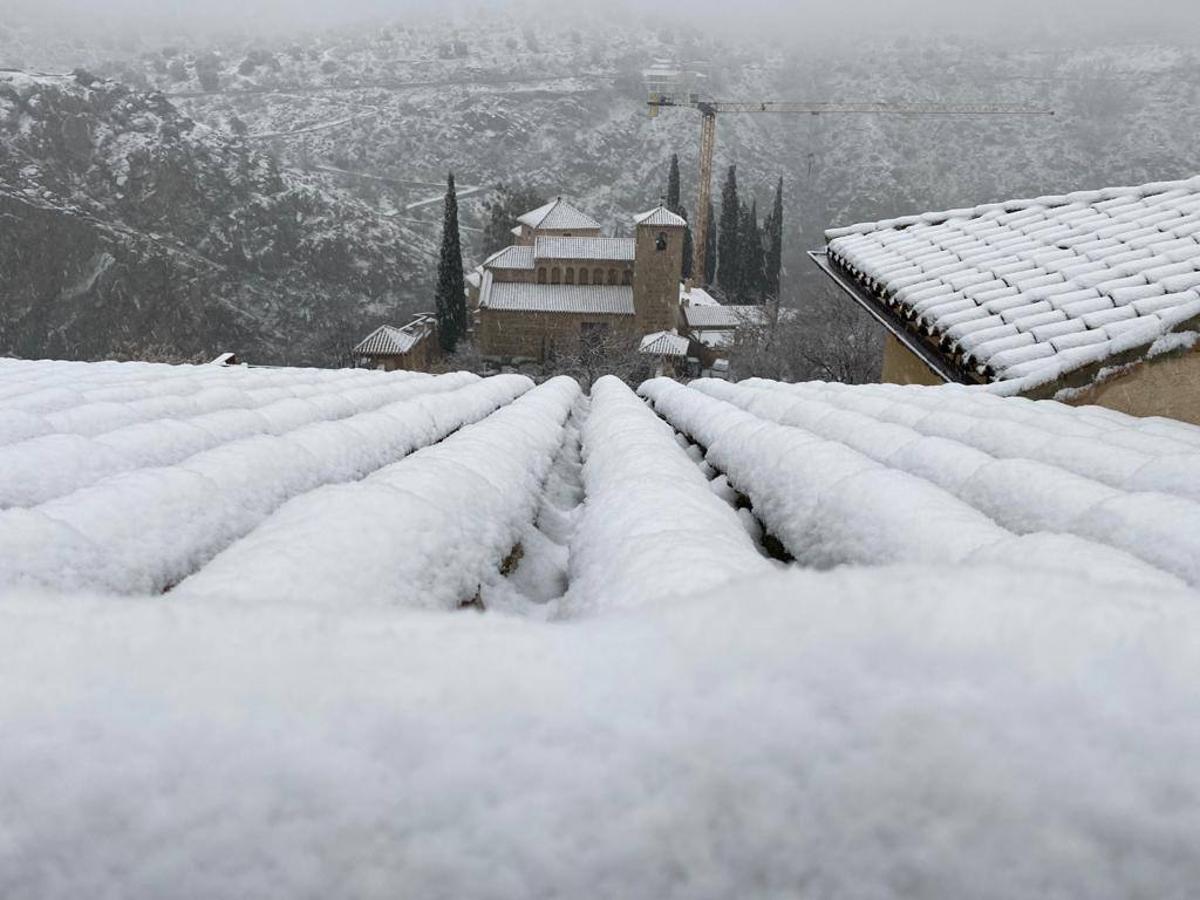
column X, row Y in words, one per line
column 564, row 285
column 412, row 347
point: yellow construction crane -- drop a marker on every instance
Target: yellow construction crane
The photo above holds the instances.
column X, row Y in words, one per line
column 708, row 110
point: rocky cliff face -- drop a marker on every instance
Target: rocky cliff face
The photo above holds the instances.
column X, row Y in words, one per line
column 128, row 229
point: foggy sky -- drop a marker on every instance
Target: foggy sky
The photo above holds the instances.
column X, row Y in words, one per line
column 1115, row 17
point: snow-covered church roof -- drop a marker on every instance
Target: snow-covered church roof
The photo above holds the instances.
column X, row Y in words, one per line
column 558, row 215
column 1034, row 289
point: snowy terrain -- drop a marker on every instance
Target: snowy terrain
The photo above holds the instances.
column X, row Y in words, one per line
column 340, row 633
column 381, row 113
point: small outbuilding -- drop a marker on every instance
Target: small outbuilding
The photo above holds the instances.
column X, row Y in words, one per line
column 412, row 347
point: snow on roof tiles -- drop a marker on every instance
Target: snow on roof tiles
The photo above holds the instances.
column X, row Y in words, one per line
column 598, row 248
column 1086, row 258
column 660, row 217
column 696, row 296
column 664, row 343
column 558, row 215
column 518, row 256
column 389, row 340
column 950, row 474
column 319, row 532
column 719, row 316
column 563, row 298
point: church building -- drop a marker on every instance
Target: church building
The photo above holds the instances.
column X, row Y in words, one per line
column 563, row 284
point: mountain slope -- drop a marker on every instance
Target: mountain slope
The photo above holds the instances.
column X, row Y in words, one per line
column 129, row 229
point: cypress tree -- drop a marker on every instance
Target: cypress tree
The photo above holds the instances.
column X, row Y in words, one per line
column 729, row 251
column 753, row 273
column 773, row 263
column 710, row 245
column 450, row 299
column 675, row 206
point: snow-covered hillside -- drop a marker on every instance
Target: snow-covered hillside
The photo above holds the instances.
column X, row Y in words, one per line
column 557, row 103
column 345, row 633
column 131, row 230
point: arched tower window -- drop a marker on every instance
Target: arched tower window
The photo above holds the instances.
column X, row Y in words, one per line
column 612, row 276
column 660, row 242
column 583, row 276
column 541, row 275
column 555, row 275
column 570, row 274
column 627, row 278
column 597, row 276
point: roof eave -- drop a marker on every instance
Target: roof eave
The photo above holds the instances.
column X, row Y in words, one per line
column 889, row 320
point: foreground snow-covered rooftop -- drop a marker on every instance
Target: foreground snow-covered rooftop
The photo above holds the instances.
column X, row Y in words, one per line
column 1035, row 289
column 751, row 639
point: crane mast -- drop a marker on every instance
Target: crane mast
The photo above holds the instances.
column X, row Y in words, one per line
column 709, row 109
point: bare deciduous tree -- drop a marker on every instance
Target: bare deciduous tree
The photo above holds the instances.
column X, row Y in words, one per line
column 828, row 339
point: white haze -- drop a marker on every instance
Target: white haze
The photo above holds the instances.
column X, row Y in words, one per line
column 1016, row 19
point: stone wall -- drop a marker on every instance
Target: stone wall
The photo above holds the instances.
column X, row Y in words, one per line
column 656, row 276
column 519, row 334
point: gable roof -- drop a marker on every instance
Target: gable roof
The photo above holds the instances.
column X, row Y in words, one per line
column 599, row 248
column 389, row 340
column 1032, row 289
column 562, row 298
column 660, row 216
column 558, row 214
column 664, row 343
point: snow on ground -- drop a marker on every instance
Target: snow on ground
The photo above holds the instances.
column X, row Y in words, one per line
column 991, row 693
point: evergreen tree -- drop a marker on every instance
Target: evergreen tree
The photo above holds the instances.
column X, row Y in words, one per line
column 675, row 206
column 450, row 299
column 729, row 251
column 773, row 263
column 753, row 273
column 502, row 210
column 710, row 245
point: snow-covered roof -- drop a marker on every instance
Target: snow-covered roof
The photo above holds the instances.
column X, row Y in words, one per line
column 696, row 296
column 558, row 215
column 664, row 343
column 518, row 256
column 228, row 593
column 1035, row 289
column 660, row 217
column 562, row 298
column 718, row 316
column 598, row 248
column 390, row 340
column 951, row 475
